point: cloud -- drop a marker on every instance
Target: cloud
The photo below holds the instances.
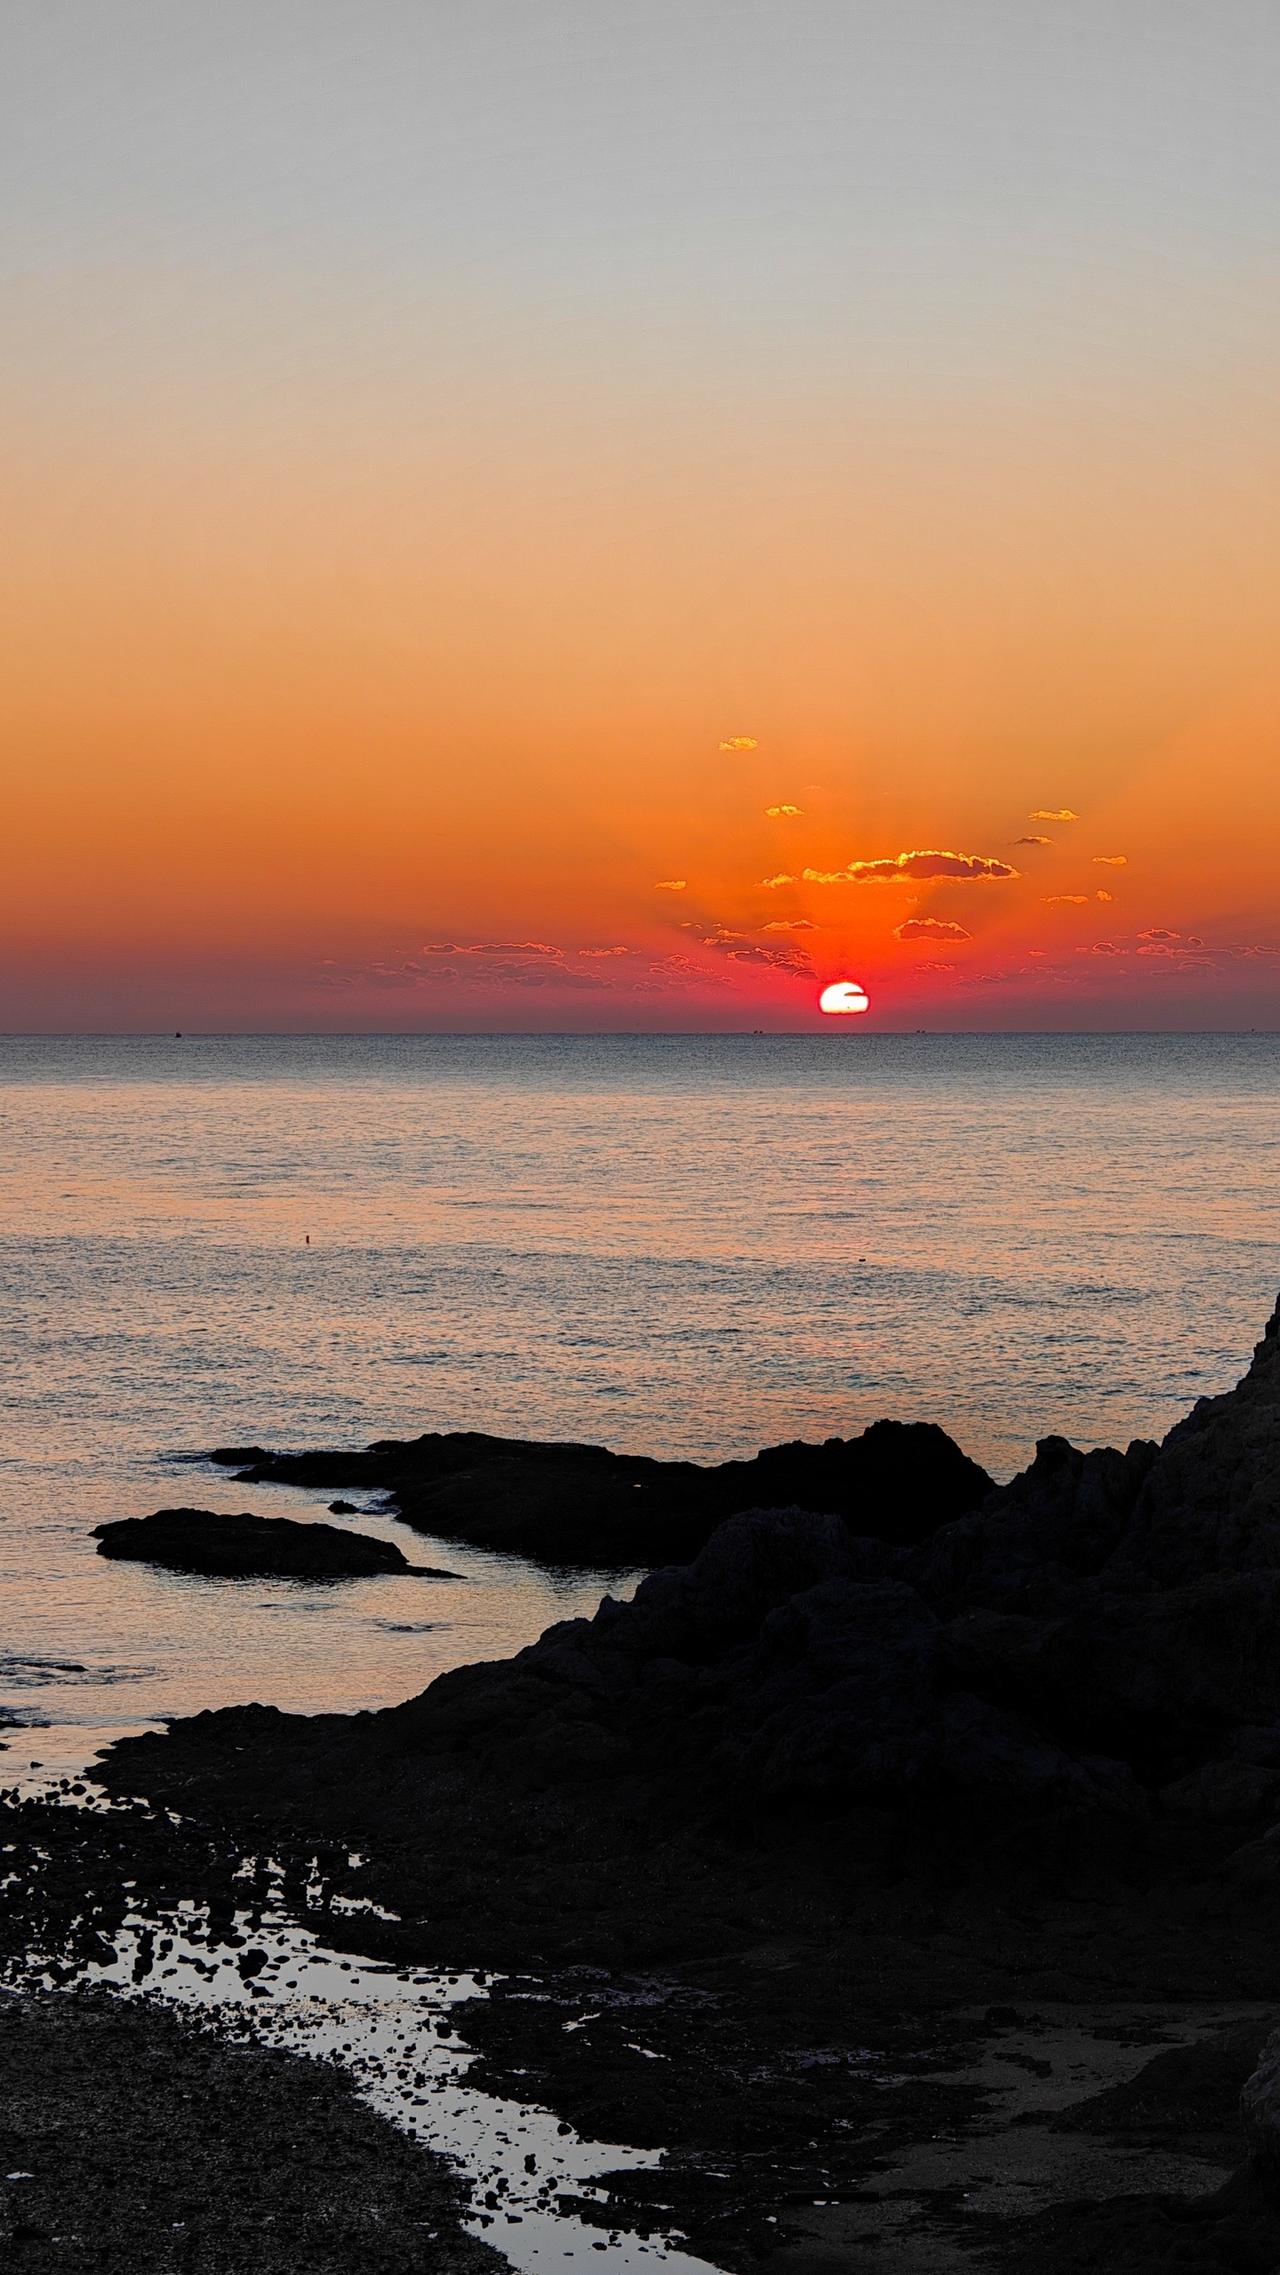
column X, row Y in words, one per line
column 1066, row 900
column 490, row 948
column 672, row 885
column 1053, row 814
column 490, row 963
column 594, row 952
column 930, row 928
column 1159, row 941
column 1112, row 860
column 1104, row 896
column 921, row 865
column 780, row 813
column 739, row 742
column 741, row 950
column 782, row 878
column 791, row 924
column 681, row 968
column 1033, row 841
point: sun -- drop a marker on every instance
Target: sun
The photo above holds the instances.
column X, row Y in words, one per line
column 844, row 996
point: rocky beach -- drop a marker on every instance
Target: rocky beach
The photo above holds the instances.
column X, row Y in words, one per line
column 833, row 1863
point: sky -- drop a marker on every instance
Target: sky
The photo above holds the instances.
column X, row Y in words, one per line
column 553, row 514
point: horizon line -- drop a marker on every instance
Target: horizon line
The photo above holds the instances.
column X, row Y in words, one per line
column 833, row 1031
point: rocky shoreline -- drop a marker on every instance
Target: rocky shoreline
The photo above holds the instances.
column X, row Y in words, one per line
column 868, row 1791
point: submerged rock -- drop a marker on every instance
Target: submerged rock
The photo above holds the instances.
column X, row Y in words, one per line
column 233, row 1547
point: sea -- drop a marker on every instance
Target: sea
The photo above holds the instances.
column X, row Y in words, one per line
column 688, row 1245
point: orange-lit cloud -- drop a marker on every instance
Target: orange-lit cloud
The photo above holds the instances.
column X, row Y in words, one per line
column 791, row 924
column 1158, row 940
column 778, row 813
column 739, row 742
column 1033, row 841
column 489, row 948
column 1053, row 814
column 930, row 928
column 741, row 950
column 1112, row 860
column 1066, row 900
column 487, row 964
column 672, row 885
column 1164, row 944
column 909, row 867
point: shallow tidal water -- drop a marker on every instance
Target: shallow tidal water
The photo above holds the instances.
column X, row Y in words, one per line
column 266, row 1973
column 681, row 1245
column 271, row 1978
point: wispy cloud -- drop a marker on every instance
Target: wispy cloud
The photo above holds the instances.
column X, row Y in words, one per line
column 783, row 878
column 742, row 950
column 1033, row 841
column 672, row 885
column 909, row 867
column 1101, row 896
column 1164, row 944
column 739, row 742
column 791, row 924
column 490, row 948
column 1112, row 860
column 488, row 963
column 1053, row 814
column 1158, row 940
column 930, row 928
column 1066, row 900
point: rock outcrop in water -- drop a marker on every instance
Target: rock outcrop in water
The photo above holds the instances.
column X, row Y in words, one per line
column 1101, row 1637
column 582, row 1505
column 1032, row 1755
column 243, row 1546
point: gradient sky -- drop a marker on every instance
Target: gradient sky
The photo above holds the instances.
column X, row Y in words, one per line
column 465, row 464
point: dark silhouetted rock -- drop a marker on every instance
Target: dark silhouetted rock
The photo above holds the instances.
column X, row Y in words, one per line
column 1102, row 1635
column 233, row 1547
column 906, row 1739
column 582, row 1505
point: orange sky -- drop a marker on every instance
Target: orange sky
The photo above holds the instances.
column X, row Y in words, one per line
column 387, row 633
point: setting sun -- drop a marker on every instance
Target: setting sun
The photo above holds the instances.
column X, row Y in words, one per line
column 844, row 996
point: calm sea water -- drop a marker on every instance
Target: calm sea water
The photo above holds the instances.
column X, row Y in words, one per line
column 679, row 1245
